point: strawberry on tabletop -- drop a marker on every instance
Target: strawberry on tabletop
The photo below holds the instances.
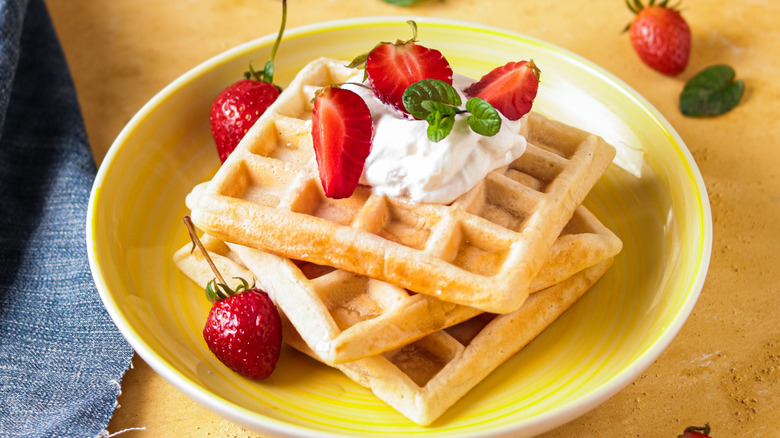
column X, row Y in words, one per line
column 660, row 36
column 696, row 432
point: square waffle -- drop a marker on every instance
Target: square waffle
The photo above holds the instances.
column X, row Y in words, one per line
column 483, row 250
column 343, row 316
column 422, row 378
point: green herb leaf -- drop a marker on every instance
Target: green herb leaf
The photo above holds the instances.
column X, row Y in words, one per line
column 484, row 118
column 711, row 92
column 428, row 89
column 433, row 106
column 439, row 125
column 402, row 2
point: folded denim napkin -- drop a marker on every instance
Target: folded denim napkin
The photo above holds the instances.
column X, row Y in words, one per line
column 61, row 357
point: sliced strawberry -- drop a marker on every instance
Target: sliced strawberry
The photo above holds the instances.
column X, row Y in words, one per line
column 342, row 131
column 511, row 88
column 392, row 67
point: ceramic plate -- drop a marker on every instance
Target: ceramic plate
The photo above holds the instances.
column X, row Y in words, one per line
column 652, row 196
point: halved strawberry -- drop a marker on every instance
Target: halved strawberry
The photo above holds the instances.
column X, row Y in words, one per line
column 342, row 131
column 391, row 67
column 511, row 88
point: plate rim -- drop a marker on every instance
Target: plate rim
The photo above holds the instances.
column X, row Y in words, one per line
column 555, row 417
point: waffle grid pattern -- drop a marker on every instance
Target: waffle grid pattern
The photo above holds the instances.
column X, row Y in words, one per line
column 343, row 316
column 482, row 251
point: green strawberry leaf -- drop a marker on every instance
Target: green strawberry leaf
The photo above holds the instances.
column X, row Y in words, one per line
column 428, row 90
column 484, row 119
column 439, row 125
column 711, row 92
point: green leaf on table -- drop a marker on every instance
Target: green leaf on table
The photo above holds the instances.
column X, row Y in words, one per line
column 402, row 2
column 484, row 118
column 711, row 92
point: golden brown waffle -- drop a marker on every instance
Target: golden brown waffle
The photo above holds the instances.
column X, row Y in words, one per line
column 482, row 251
column 423, row 378
column 345, row 316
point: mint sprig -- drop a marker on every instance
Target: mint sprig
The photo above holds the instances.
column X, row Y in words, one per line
column 712, row 92
column 402, row 2
column 438, row 103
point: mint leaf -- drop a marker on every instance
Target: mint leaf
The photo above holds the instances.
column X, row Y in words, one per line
column 484, row 119
column 433, row 106
column 428, row 90
column 402, row 2
column 712, row 92
column 439, row 125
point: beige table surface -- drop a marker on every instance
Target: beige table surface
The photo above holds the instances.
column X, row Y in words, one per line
column 723, row 367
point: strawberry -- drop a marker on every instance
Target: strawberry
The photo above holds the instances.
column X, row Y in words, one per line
column 660, row 36
column 239, row 105
column 391, row 67
column 511, row 88
column 243, row 328
column 236, row 109
column 342, row 131
column 244, row 332
column 696, row 432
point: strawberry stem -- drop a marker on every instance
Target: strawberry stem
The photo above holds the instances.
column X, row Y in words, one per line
column 281, row 31
column 267, row 73
column 196, row 241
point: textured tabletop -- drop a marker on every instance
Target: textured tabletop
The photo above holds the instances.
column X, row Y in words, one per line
column 724, row 365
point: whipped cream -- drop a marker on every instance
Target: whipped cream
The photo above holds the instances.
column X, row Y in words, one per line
column 404, row 163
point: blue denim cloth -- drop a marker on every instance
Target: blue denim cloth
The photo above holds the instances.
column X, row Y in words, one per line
column 61, row 357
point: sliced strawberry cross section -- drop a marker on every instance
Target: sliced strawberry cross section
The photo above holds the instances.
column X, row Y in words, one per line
column 392, row 67
column 342, row 131
column 511, row 88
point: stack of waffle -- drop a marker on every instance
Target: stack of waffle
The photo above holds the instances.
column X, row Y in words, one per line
column 418, row 302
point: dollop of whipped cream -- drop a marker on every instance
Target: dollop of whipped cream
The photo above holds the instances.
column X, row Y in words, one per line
column 404, row 163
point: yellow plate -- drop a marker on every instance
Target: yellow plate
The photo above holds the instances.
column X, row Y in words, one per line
column 652, row 196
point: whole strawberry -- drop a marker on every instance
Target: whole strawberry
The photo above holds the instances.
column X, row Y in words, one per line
column 660, row 36
column 239, row 106
column 244, row 332
column 236, row 109
column 243, row 328
column 696, row 432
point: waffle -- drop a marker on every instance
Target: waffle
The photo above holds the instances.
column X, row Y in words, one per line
column 482, row 251
column 423, row 378
column 345, row 316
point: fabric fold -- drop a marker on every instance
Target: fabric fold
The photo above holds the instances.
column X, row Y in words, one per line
column 61, row 356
